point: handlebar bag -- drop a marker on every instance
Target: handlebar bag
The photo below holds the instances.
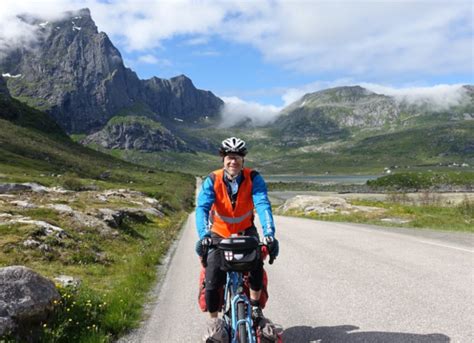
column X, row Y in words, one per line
column 240, row 254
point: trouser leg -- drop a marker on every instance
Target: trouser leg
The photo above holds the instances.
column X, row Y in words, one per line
column 215, row 279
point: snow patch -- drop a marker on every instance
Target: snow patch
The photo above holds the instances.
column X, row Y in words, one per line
column 303, row 103
column 12, row 76
column 78, row 17
column 76, row 28
column 43, row 25
column 178, row 119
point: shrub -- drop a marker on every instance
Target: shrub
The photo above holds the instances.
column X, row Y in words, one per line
column 466, row 207
column 72, row 183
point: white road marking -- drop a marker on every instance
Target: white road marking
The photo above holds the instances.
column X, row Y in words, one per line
column 445, row 246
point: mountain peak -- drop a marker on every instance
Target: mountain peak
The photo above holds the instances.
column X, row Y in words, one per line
column 346, row 91
column 183, row 79
column 77, row 75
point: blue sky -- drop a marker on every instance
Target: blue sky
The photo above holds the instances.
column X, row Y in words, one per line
column 267, row 53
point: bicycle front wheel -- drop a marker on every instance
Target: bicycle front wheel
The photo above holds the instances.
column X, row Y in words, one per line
column 242, row 329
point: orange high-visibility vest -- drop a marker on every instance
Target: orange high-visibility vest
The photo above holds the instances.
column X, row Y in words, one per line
column 225, row 219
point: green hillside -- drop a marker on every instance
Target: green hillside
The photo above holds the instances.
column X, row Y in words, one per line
column 33, row 148
column 421, row 147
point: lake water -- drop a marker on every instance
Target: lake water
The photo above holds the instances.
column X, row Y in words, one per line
column 324, row 179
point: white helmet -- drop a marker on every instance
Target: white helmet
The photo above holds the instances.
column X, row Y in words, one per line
column 233, row 145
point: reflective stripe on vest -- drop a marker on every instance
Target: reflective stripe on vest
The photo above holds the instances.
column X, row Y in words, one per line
column 234, row 220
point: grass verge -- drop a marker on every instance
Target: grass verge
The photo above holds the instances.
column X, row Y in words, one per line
column 409, row 215
column 109, row 299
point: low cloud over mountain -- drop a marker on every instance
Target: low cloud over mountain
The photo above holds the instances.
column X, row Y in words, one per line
column 237, row 110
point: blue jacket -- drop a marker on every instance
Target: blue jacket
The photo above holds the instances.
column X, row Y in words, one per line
column 207, row 197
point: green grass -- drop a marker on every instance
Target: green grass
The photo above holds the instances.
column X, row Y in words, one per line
column 110, row 299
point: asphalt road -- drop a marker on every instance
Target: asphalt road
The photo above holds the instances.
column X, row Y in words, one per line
column 339, row 283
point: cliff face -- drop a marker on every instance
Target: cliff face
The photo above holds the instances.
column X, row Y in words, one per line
column 136, row 133
column 181, row 101
column 76, row 74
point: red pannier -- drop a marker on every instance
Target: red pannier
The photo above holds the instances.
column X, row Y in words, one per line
column 202, row 290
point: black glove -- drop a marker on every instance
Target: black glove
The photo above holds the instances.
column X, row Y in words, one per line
column 202, row 245
column 273, row 247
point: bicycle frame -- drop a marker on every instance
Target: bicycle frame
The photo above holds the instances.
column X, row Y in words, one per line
column 234, row 286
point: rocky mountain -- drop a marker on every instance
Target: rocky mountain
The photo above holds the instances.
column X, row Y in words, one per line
column 136, row 133
column 77, row 75
column 348, row 107
column 335, row 113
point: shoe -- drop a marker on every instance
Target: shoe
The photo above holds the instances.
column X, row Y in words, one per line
column 216, row 331
column 257, row 315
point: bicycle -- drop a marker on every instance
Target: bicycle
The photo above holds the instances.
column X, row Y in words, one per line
column 241, row 254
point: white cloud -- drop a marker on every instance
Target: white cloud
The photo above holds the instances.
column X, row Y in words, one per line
column 236, row 110
column 440, row 96
column 363, row 39
column 367, row 38
column 151, row 59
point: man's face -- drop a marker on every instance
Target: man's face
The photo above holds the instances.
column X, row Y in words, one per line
column 233, row 164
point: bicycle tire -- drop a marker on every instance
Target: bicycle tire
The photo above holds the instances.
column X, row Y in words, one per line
column 242, row 329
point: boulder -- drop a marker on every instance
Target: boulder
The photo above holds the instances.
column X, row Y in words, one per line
column 34, row 187
column 31, row 243
column 61, row 208
column 13, row 187
column 44, row 228
column 67, row 281
column 113, row 218
column 26, row 298
column 23, row 204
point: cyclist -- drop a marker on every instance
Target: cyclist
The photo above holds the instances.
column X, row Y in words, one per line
column 225, row 206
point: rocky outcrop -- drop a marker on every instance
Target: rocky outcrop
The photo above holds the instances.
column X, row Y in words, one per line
column 76, row 74
column 26, row 298
column 322, row 205
column 106, row 218
column 28, row 186
column 138, row 134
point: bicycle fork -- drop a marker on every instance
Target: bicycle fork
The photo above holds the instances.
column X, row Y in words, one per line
column 246, row 321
